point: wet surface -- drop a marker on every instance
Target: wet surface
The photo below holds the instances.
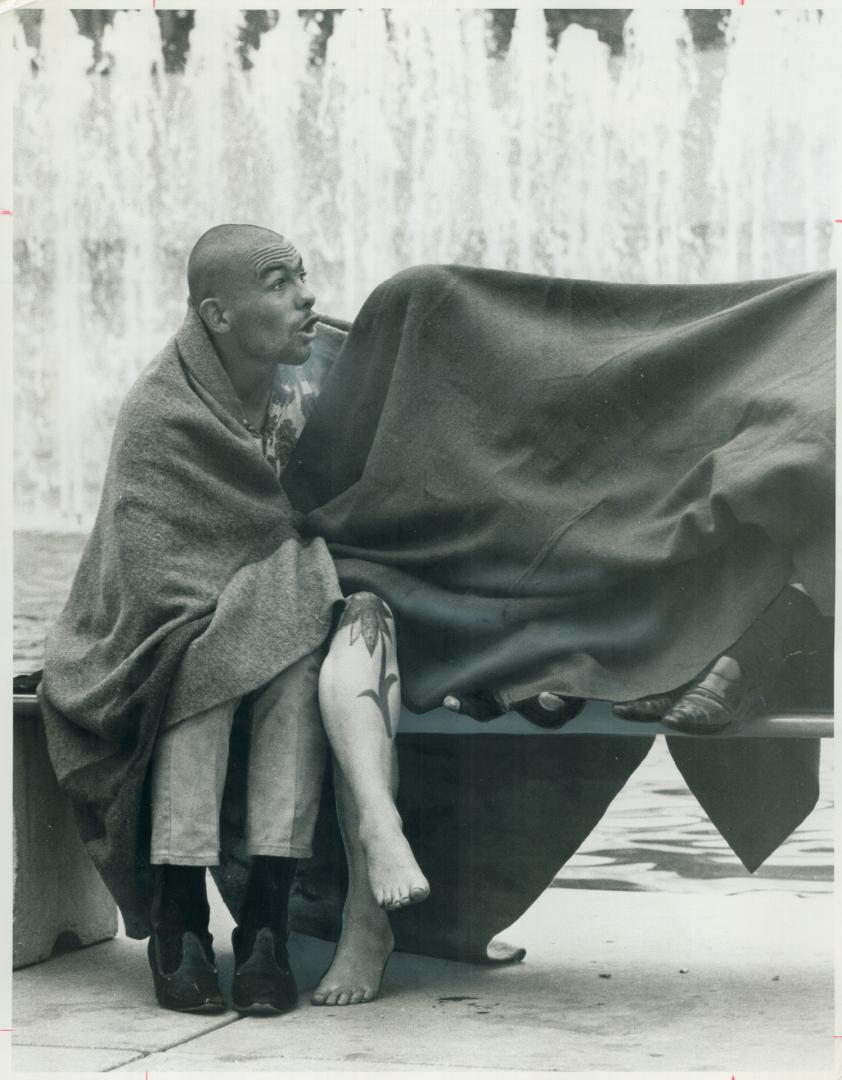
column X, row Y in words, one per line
column 44, row 567
column 654, row 838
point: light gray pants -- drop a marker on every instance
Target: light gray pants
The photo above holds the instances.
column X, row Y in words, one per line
column 286, row 765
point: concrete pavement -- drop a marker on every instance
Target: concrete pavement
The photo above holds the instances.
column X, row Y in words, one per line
column 612, row 981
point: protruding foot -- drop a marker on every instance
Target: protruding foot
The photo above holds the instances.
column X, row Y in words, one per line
column 356, row 971
column 646, row 710
column 721, row 697
column 394, row 875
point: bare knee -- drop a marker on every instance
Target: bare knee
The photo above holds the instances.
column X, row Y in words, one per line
column 367, row 618
column 364, row 634
column 365, row 601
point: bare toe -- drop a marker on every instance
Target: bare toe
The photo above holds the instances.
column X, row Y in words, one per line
column 393, row 873
column 362, row 952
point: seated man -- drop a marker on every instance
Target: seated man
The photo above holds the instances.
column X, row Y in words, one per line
column 195, row 593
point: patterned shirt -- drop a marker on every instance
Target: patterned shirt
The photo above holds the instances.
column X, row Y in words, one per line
column 290, row 403
column 293, row 396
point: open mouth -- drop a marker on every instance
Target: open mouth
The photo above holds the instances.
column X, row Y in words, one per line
column 309, row 325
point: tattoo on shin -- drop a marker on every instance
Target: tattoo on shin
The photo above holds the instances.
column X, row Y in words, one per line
column 367, row 617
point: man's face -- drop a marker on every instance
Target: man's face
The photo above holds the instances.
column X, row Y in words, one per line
column 270, row 306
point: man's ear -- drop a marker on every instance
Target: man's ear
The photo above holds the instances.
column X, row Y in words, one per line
column 213, row 315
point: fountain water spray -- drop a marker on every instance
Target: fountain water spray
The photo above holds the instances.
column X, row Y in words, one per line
column 412, row 142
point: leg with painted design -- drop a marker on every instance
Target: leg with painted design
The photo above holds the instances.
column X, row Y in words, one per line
column 359, row 693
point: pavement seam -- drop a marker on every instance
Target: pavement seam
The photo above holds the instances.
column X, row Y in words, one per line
column 178, row 1042
column 431, row 1065
column 122, row 1064
column 75, row 1046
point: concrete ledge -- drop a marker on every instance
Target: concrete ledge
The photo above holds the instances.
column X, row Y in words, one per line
column 595, row 719
column 59, row 896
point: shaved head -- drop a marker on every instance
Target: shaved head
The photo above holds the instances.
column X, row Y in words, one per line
column 249, row 288
column 227, row 257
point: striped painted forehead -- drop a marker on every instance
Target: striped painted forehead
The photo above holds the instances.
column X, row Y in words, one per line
column 281, row 254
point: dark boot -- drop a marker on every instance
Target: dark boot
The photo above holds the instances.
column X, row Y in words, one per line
column 263, row 980
column 180, row 946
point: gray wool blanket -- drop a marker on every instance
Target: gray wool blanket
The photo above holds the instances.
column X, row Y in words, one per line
column 194, row 588
column 570, row 485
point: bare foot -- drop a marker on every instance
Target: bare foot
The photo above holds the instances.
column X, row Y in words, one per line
column 364, row 948
column 394, row 875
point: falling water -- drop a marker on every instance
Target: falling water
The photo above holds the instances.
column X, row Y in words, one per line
column 773, row 150
column 50, row 333
column 274, row 114
column 442, row 57
column 582, row 232
column 412, row 142
column 356, row 117
column 655, row 89
column 528, row 82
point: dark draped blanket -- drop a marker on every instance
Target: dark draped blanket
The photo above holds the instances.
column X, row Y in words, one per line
column 573, row 485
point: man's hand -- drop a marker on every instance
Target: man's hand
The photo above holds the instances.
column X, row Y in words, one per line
column 482, row 705
column 546, row 710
